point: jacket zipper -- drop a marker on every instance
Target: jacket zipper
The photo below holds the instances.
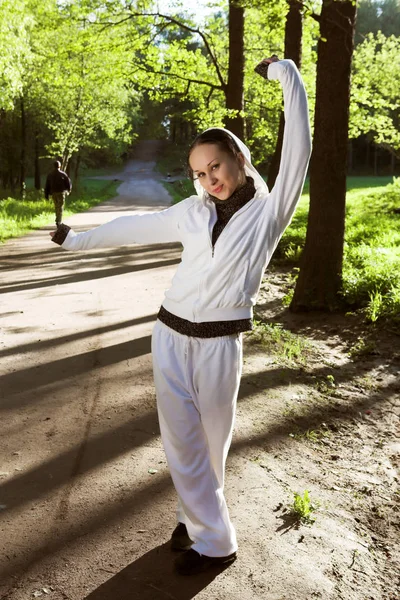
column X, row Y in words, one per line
column 243, row 209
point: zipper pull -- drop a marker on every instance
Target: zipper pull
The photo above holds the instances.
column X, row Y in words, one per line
column 212, row 253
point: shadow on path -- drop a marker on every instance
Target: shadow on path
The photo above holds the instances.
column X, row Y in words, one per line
column 57, row 257
column 87, row 275
column 151, row 577
column 66, row 368
column 39, row 346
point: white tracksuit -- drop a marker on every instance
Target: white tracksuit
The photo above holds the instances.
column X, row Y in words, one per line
column 197, row 379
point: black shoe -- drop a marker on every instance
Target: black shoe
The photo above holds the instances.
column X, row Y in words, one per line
column 192, row 562
column 180, row 539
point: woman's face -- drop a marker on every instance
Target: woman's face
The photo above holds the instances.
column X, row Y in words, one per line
column 218, row 172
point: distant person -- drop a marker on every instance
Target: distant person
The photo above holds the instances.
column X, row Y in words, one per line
column 229, row 230
column 58, row 185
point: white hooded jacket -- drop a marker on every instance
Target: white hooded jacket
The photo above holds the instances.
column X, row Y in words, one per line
column 222, row 284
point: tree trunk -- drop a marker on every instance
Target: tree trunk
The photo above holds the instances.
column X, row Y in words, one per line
column 23, row 151
column 235, row 85
column 37, row 163
column 320, row 276
column 76, row 170
column 293, row 38
column 376, row 161
column 350, row 157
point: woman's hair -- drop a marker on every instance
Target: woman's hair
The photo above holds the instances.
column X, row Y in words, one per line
column 213, row 136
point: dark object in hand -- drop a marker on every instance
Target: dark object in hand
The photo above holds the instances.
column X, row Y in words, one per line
column 262, row 69
column 60, row 234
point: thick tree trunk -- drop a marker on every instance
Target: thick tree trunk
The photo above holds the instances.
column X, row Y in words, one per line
column 22, row 176
column 37, row 163
column 320, row 274
column 293, row 39
column 235, row 85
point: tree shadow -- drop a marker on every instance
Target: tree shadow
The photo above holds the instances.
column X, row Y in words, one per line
column 87, row 275
column 39, row 346
column 315, row 325
column 56, row 255
column 151, row 577
column 42, row 375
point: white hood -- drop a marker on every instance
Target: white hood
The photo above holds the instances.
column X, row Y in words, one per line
column 260, row 185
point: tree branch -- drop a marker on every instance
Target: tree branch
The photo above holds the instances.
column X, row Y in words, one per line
column 309, row 10
column 203, row 36
column 169, row 74
column 209, row 97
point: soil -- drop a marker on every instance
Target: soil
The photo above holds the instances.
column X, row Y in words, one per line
column 86, row 502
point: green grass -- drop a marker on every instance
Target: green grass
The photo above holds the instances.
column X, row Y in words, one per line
column 302, row 507
column 17, row 217
column 179, row 189
column 281, row 343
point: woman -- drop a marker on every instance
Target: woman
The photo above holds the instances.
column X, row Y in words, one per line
column 229, row 231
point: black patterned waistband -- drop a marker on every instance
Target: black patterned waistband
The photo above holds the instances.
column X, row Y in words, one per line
column 208, row 329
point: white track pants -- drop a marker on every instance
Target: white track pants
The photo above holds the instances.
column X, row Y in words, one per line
column 197, row 382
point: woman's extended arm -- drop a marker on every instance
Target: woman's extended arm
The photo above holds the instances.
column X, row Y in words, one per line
column 148, row 228
column 296, row 147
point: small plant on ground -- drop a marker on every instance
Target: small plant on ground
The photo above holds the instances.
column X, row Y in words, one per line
column 326, row 385
column 284, row 344
column 362, row 348
column 312, row 435
column 303, row 507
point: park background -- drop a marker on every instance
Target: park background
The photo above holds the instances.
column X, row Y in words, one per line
column 93, row 84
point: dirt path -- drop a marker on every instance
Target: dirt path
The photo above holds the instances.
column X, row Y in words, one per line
column 86, row 502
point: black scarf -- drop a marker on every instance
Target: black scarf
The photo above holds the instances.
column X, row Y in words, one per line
column 227, row 208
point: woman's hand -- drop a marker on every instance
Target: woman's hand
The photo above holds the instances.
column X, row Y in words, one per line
column 52, row 233
column 262, row 67
column 270, row 60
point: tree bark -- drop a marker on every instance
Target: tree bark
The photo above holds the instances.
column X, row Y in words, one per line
column 23, row 151
column 293, row 39
column 350, row 157
column 235, row 86
column 37, row 163
column 320, row 275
